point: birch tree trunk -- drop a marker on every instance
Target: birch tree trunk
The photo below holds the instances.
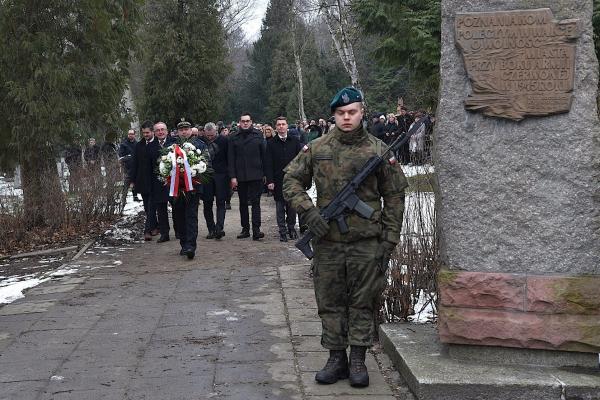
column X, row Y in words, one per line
column 340, row 27
column 297, row 61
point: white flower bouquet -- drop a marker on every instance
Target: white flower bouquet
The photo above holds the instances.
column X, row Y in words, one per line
column 183, row 167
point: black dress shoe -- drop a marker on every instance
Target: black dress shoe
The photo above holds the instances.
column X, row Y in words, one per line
column 219, row 234
column 211, row 235
column 258, row 235
column 182, row 252
column 243, row 234
column 282, row 237
column 190, row 254
column 228, row 206
column 292, row 234
column 163, row 239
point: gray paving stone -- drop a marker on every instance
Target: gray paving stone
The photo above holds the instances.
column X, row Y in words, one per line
column 308, row 343
column 98, row 394
column 260, row 373
column 304, row 328
column 303, row 314
column 51, row 289
column 24, row 390
column 233, row 391
column 25, row 370
column 172, row 388
column 27, row 307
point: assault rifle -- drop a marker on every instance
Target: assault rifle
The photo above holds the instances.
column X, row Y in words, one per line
column 347, row 200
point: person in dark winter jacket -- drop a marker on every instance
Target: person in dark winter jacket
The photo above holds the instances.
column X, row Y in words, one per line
column 126, row 151
column 280, row 151
column 378, row 127
column 142, row 178
column 246, row 157
column 218, row 187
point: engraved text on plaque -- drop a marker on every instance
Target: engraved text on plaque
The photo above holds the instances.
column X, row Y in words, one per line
column 520, row 63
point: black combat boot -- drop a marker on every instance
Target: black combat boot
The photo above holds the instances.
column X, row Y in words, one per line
column 359, row 377
column 335, row 369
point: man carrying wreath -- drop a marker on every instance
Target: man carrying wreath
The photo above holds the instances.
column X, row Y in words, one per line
column 185, row 202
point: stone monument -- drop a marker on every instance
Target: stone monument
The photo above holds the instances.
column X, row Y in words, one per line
column 517, row 157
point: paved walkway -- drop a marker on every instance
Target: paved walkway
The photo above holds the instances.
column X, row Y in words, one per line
column 141, row 322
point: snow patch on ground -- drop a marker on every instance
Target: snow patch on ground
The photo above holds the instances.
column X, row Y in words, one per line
column 11, row 291
column 64, row 271
column 132, row 207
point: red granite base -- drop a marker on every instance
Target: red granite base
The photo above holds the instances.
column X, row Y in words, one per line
column 519, row 310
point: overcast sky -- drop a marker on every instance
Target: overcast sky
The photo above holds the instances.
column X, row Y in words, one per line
column 252, row 27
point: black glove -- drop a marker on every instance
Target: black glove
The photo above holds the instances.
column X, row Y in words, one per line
column 316, row 224
column 383, row 253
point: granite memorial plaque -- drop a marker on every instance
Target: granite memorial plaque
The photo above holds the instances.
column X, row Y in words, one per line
column 520, row 63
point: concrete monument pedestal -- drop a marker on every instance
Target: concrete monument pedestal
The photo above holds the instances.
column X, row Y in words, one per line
column 432, row 374
column 517, row 159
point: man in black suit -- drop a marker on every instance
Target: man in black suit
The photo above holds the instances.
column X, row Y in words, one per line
column 160, row 190
column 246, row 157
column 280, row 151
column 142, row 178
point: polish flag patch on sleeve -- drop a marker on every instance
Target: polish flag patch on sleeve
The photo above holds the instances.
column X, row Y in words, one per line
column 305, row 148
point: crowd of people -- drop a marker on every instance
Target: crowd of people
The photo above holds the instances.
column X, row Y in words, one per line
column 248, row 158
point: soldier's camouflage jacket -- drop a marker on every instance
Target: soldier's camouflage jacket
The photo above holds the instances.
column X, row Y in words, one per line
column 332, row 161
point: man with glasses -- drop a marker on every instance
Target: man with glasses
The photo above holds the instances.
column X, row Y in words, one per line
column 246, row 156
column 161, row 192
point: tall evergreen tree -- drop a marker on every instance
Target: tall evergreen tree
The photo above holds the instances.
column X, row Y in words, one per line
column 186, row 65
column 63, row 69
column 257, row 88
column 409, row 34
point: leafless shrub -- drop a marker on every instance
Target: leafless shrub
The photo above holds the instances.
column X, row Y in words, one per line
column 412, row 285
column 89, row 195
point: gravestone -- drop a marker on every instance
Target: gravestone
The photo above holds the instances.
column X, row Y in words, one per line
column 517, row 158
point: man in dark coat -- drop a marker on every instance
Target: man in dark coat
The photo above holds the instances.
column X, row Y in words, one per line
column 126, row 151
column 142, row 178
column 246, row 157
column 160, row 192
column 378, row 127
column 404, row 123
column 280, row 151
column 218, row 187
column 185, row 206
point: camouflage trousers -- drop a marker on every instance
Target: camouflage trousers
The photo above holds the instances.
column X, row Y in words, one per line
column 348, row 282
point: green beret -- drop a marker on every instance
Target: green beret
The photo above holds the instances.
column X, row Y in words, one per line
column 184, row 123
column 344, row 97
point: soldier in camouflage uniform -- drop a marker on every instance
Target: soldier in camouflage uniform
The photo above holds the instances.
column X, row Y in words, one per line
column 349, row 269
